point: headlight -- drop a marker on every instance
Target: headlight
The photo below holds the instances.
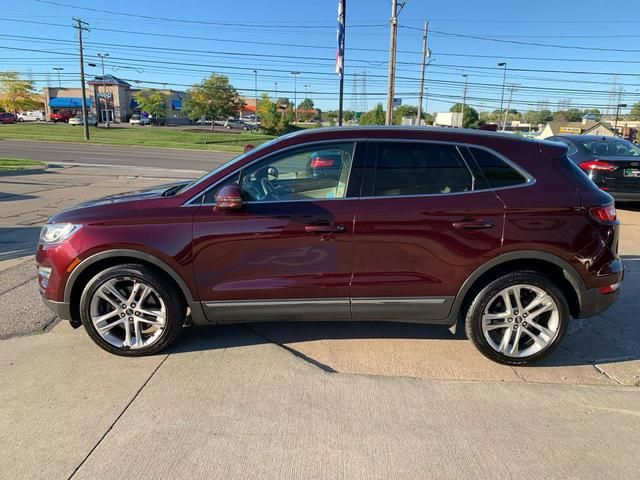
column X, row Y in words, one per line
column 57, row 232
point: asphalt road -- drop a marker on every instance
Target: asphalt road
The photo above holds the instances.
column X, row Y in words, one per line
column 164, row 158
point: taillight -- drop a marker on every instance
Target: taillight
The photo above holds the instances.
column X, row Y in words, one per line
column 604, row 214
column 320, row 162
column 597, row 165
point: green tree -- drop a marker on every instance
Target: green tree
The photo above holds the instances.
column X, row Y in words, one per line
column 272, row 120
column 635, row 111
column 471, row 117
column 348, row 115
column 151, row 101
column 373, row 117
column 306, row 112
column 403, row 111
column 17, row 94
column 569, row 115
column 214, row 98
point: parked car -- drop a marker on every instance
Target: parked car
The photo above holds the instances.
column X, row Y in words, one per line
column 611, row 162
column 61, row 116
column 79, row 120
column 32, row 116
column 139, row 120
column 6, row 117
column 235, row 124
column 422, row 225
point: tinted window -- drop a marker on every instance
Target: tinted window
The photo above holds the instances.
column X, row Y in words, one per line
column 571, row 147
column 498, row 172
column 420, row 169
column 613, row 148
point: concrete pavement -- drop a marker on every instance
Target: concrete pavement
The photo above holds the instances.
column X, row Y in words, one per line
column 80, row 153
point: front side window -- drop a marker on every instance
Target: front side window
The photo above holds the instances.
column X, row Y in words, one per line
column 498, row 172
column 405, row 169
column 313, row 172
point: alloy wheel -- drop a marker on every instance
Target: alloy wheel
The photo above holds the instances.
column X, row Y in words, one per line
column 128, row 313
column 520, row 321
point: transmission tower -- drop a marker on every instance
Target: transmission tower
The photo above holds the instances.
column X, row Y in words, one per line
column 363, row 92
column 353, row 105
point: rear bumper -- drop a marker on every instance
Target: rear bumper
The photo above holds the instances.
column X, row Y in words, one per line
column 593, row 302
column 625, row 196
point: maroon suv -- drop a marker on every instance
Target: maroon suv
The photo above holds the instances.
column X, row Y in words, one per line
column 419, row 225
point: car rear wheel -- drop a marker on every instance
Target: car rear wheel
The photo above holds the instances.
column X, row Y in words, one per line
column 518, row 318
column 130, row 310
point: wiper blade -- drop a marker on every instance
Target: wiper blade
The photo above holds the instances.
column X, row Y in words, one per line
column 173, row 190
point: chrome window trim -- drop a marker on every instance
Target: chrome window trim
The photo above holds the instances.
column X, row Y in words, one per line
column 354, row 141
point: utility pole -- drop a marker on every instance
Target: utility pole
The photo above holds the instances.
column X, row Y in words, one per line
column 255, row 91
column 504, row 78
column 81, row 26
column 295, row 94
column 276, row 84
column 104, row 88
column 615, row 125
column 422, row 68
column 58, row 69
column 392, row 61
column 506, row 112
column 464, row 98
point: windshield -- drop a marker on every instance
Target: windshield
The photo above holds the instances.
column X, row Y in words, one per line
column 612, row 148
column 240, row 157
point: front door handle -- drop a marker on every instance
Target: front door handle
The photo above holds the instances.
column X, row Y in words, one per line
column 473, row 224
column 324, row 228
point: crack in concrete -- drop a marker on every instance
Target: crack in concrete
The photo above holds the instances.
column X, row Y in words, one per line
column 609, row 376
column 113, row 424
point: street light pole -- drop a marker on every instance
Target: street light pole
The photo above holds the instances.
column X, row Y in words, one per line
column 255, row 90
column 104, row 88
column 58, row 69
column 615, row 126
column 295, row 94
column 504, row 78
column 464, row 97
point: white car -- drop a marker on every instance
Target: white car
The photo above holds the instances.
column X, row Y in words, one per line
column 78, row 120
column 32, row 116
column 139, row 120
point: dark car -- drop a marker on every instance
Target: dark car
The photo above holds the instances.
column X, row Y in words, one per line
column 503, row 234
column 6, row 117
column 611, row 162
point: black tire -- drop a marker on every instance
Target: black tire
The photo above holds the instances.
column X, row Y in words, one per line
column 175, row 308
column 473, row 321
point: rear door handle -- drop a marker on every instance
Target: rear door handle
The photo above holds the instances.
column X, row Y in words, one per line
column 473, row 224
column 324, row 228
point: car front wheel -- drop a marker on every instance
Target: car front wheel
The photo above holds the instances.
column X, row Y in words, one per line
column 518, row 318
column 131, row 310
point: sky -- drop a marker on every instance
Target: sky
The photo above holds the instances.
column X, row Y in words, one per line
column 558, row 54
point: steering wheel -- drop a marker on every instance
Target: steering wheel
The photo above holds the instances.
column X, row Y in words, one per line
column 267, row 188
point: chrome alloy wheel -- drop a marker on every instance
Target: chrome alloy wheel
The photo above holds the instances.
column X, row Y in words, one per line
column 128, row 313
column 520, row 321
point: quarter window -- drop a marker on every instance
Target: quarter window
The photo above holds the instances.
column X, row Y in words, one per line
column 498, row 172
column 420, row 169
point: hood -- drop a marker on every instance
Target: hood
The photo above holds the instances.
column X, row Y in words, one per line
column 105, row 207
column 144, row 194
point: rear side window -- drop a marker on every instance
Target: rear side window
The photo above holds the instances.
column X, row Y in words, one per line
column 498, row 172
column 420, row 169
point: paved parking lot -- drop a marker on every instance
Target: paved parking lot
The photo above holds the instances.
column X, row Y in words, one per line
column 306, row 400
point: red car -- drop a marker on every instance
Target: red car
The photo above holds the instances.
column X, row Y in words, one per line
column 62, row 116
column 504, row 235
column 6, row 117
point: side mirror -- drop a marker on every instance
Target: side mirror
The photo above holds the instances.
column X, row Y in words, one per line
column 228, row 198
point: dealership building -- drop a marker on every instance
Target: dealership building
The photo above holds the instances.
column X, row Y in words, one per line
column 110, row 98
